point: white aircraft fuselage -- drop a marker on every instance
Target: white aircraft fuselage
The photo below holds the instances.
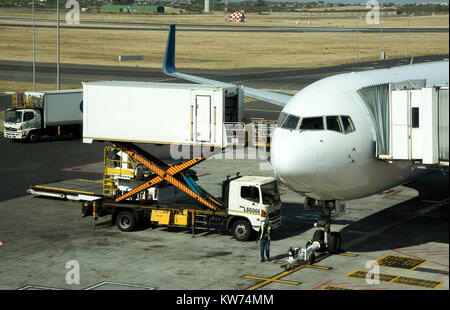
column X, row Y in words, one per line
column 330, row 165
column 326, row 164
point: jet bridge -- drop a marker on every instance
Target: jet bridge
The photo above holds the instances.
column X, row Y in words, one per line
column 410, row 121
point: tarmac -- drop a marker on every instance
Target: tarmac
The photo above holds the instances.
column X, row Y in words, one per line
column 407, row 228
column 399, row 237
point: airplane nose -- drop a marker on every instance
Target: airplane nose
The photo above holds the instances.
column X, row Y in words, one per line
column 293, row 157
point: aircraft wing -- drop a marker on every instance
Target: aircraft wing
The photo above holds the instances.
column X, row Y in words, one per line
column 169, row 69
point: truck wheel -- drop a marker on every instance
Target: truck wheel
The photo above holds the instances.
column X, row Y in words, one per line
column 125, row 221
column 34, row 137
column 334, row 242
column 242, row 230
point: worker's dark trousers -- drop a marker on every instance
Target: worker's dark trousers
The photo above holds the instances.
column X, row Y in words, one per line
column 265, row 246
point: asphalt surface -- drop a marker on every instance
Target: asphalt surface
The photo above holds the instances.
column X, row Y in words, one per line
column 284, row 80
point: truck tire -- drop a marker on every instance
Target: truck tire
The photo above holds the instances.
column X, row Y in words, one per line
column 125, row 221
column 34, row 137
column 242, row 230
column 334, row 242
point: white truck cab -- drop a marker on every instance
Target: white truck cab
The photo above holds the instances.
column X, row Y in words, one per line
column 250, row 200
column 19, row 123
column 34, row 114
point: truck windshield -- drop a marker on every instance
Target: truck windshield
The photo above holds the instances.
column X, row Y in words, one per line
column 13, row 116
column 270, row 193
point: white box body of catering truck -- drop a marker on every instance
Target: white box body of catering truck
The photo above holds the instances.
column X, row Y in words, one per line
column 146, row 112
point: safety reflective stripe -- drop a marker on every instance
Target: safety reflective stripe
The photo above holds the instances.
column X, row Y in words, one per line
column 167, row 175
column 171, row 171
column 262, row 231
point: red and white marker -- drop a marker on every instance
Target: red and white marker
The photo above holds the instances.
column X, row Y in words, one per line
column 2, row 243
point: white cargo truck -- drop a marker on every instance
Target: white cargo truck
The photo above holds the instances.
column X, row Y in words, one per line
column 146, row 112
column 44, row 113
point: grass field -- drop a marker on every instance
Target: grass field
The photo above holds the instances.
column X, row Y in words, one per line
column 220, row 50
column 214, row 50
column 28, row 86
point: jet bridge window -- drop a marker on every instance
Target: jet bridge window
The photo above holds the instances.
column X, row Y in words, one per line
column 312, row 123
column 348, row 124
column 333, row 123
column 291, row 122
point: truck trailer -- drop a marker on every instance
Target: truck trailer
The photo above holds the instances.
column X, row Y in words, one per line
column 34, row 114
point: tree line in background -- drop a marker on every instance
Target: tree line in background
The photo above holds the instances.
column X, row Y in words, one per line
column 249, row 6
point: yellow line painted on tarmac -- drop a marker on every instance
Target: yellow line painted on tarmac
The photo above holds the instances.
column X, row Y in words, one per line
column 85, row 180
column 276, row 278
column 273, row 280
column 331, row 287
column 393, row 261
column 63, row 190
column 318, row 267
column 347, row 254
column 396, row 279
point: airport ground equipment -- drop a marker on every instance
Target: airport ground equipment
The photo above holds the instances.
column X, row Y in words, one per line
column 165, row 113
column 34, row 114
column 302, row 255
column 138, row 187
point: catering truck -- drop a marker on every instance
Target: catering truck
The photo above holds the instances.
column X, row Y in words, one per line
column 34, row 114
column 138, row 186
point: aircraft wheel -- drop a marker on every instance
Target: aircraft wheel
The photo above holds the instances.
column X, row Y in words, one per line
column 334, row 242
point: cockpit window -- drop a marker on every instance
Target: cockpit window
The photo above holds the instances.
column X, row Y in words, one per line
column 348, row 124
column 291, row 122
column 312, row 123
column 333, row 123
column 282, row 118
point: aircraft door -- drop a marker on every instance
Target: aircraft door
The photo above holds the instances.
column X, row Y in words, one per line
column 203, row 118
column 400, row 142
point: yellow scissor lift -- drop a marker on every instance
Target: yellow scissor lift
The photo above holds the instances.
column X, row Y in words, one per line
column 127, row 161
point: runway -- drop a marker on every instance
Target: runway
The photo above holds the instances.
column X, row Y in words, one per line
column 284, row 80
column 134, row 26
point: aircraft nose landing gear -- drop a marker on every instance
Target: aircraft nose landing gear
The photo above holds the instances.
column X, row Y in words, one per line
column 330, row 240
